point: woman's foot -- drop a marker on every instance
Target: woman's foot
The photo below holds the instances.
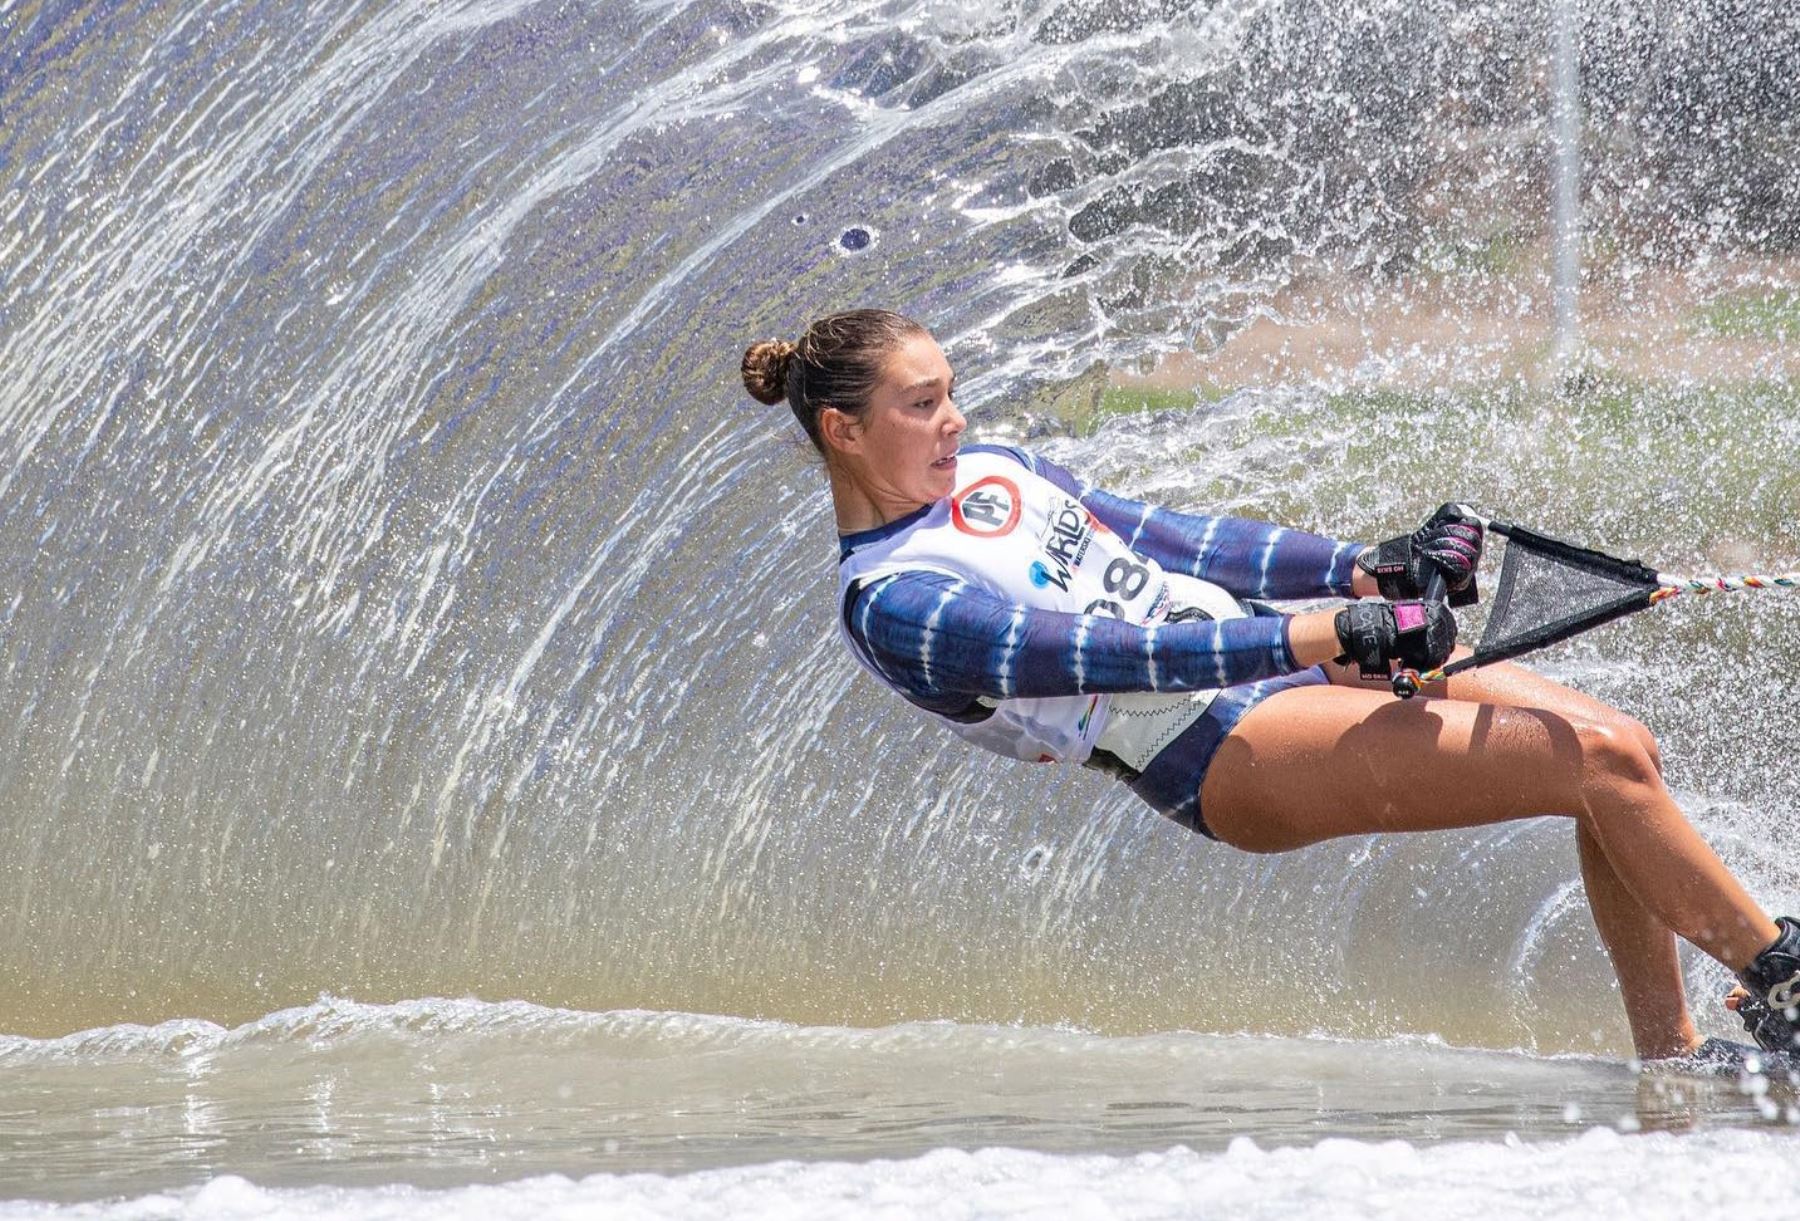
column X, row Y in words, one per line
column 1770, row 1002
column 1723, row 1058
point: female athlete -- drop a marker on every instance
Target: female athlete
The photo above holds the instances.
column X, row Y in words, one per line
column 1047, row 620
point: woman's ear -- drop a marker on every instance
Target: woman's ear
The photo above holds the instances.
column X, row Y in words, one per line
column 840, row 430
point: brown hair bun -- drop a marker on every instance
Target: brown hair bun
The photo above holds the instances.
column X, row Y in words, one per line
column 837, row 363
column 765, row 369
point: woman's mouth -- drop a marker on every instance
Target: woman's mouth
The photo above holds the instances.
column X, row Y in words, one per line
column 946, row 462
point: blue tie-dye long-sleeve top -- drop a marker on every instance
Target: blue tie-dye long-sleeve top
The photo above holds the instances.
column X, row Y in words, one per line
column 978, row 650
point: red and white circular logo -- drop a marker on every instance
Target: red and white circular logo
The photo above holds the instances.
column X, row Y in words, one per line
column 986, row 508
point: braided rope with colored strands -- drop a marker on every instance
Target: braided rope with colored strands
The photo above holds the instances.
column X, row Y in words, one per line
column 1673, row 586
column 1714, row 585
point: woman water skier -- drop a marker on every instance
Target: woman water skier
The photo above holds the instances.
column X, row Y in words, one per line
column 1048, row 620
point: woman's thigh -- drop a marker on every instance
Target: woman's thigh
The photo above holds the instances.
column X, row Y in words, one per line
column 1516, row 687
column 1314, row 763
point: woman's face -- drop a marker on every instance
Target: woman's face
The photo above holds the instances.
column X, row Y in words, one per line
column 903, row 451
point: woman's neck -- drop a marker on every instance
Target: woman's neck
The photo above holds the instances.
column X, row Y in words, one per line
column 859, row 509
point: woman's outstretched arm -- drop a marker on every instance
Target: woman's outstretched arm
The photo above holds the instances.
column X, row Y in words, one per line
column 943, row 642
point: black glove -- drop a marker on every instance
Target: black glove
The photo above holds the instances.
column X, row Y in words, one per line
column 1402, row 566
column 1419, row 635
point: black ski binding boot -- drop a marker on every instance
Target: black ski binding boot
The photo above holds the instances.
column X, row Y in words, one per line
column 1771, row 1012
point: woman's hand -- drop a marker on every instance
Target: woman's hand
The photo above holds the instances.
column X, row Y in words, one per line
column 1420, row 635
column 1449, row 542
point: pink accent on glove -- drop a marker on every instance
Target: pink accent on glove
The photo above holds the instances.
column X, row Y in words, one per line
column 1409, row 616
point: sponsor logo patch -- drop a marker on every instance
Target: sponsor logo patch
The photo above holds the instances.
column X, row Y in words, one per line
column 1045, row 575
column 1082, row 724
column 1068, row 531
column 987, row 508
column 1159, row 605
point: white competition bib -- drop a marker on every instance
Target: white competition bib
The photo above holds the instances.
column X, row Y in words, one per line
column 1026, row 541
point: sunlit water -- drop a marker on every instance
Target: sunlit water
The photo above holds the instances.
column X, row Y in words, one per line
column 443, row 1093
column 398, row 597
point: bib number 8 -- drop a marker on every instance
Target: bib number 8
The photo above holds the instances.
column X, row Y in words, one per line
column 1126, row 579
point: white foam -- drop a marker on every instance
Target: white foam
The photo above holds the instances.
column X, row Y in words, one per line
column 1597, row 1173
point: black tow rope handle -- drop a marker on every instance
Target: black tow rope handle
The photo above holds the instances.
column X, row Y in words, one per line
column 1406, row 682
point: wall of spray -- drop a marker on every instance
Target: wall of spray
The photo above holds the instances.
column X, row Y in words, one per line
column 399, row 597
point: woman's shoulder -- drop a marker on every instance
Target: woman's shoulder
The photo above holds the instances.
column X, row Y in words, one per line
column 1065, row 480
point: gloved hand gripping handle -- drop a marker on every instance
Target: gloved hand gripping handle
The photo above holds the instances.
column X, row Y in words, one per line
column 1406, row 682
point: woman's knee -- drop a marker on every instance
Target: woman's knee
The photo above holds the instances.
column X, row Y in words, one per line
column 1628, row 730
column 1645, row 740
column 1618, row 757
column 1632, row 731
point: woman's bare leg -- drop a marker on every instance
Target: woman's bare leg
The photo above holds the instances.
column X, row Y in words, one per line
column 1319, row 762
column 1644, row 957
column 1641, row 947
